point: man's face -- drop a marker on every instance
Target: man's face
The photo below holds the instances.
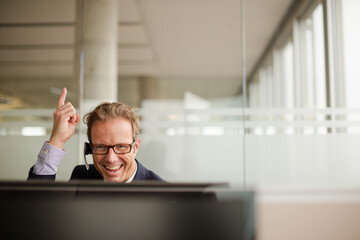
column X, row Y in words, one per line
column 114, row 167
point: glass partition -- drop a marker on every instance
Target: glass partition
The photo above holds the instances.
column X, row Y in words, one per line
column 187, row 84
column 316, row 123
column 37, row 52
column 178, row 62
column 239, row 91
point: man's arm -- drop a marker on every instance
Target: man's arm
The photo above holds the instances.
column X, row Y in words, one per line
column 46, row 165
column 64, row 124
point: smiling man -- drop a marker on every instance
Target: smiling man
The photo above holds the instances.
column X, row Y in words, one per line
column 113, row 133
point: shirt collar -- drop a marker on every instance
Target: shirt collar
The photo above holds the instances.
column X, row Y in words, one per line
column 132, row 177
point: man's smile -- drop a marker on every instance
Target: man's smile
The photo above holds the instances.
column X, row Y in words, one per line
column 113, row 168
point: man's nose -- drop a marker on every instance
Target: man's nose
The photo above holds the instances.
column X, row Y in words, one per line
column 111, row 155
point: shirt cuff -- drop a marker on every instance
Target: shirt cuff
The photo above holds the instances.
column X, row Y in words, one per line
column 48, row 160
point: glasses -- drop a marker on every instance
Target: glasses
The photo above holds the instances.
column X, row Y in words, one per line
column 118, row 148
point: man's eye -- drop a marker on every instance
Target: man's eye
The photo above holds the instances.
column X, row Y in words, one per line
column 100, row 148
column 121, row 146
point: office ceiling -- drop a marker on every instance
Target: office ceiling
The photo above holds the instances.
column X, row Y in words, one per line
column 168, row 46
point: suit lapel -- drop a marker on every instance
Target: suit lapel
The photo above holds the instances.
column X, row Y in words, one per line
column 140, row 173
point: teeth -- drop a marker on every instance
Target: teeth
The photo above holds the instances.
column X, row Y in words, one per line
column 113, row 168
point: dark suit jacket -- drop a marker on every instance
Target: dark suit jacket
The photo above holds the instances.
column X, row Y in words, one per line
column 80, row 173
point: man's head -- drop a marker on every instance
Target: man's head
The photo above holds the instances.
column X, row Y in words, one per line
column 109, row 110
column 113, row 124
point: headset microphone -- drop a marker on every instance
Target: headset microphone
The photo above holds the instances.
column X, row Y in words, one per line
column 87, row 151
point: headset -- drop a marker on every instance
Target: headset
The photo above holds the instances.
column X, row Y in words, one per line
column 87, row 151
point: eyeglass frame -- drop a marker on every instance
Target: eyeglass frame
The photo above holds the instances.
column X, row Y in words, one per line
column 112, row 146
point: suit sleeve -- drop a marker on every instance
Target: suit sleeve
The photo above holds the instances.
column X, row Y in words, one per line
column 32, row 175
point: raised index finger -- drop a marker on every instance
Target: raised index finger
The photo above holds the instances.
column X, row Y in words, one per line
column 62, row 98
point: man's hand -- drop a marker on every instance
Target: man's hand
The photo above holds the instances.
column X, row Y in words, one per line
column 65, row 121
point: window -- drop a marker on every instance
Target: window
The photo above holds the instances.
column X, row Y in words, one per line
column 312, row 65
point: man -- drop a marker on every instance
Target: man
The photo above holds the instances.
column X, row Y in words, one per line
column 112, row 130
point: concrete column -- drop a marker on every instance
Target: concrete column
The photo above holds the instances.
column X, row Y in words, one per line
column 97, row 35
column 100, row 52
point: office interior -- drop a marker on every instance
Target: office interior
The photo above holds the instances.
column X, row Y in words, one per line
column 260, row 94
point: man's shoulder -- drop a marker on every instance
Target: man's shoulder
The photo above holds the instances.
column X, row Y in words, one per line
column 144, row 174
column 80, row 172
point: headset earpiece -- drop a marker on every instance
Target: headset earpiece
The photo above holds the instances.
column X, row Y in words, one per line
column 87, row 148
column 87, row 151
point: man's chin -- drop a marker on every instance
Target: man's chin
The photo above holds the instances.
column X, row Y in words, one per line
column 111, row 175
column 113, row 179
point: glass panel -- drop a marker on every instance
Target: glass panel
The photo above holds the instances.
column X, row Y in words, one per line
column 315, row 111
column 190, row 102
column 37, row 57
column 278, row 150
column 343, row 37
column 179, row 62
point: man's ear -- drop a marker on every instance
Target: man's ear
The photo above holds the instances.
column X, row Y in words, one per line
column 136, row 146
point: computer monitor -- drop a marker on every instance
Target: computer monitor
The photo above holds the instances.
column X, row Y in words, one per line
column 146, row 210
